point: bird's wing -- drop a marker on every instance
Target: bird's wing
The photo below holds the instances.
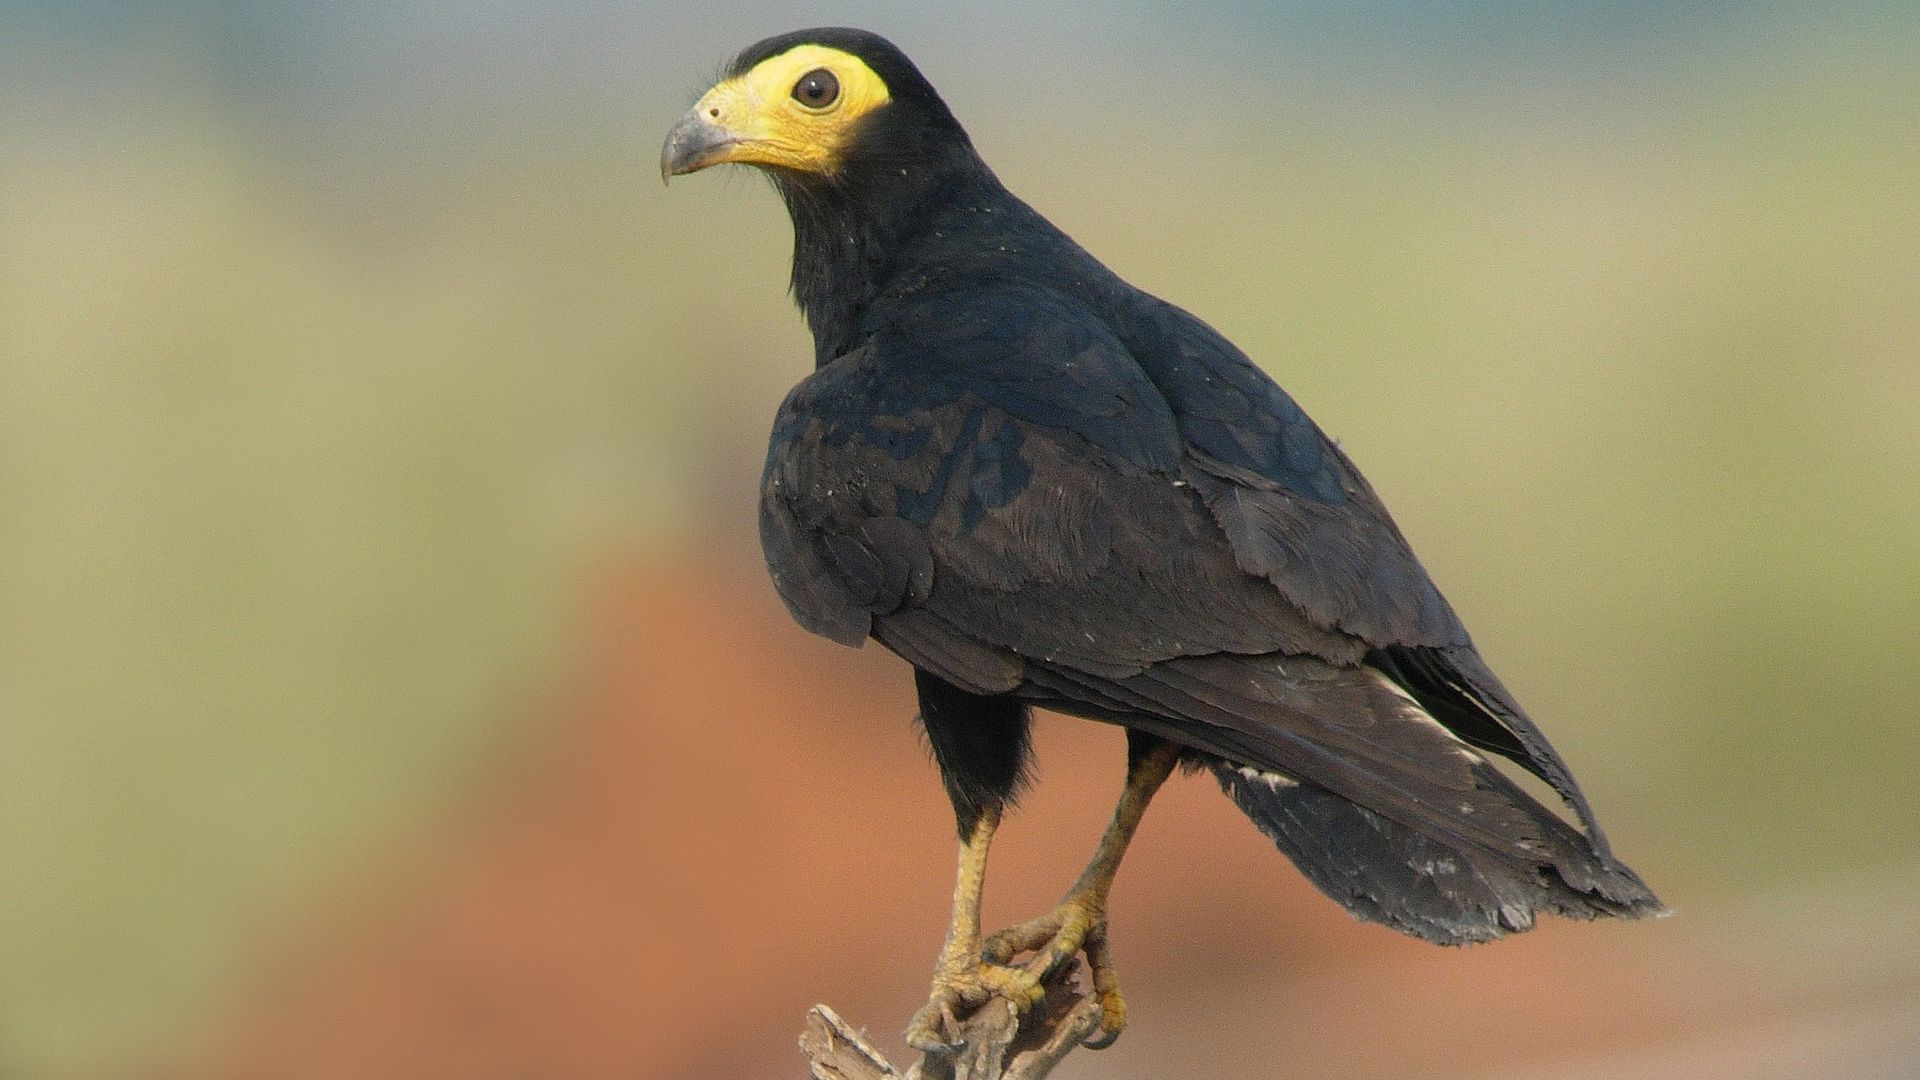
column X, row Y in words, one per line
column 1083, row 581
column 1295, row 509
column 1006, row 498
column 995, row 477
column 1297, row 512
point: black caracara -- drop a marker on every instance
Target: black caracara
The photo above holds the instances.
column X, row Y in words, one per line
column 1043, row 487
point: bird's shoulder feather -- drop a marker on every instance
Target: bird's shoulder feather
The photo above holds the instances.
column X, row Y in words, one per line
column 997, row 472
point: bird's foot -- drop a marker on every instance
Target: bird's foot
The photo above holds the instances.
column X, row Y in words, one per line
column 959, row 990
column 1078, row 925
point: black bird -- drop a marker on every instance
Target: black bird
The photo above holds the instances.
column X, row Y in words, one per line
column 1043, row 487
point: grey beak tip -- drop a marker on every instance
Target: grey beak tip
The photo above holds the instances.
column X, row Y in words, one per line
column 691, row 145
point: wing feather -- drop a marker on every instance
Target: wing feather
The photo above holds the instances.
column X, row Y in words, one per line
column 1029, row 508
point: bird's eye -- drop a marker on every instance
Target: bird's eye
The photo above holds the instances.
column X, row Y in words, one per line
column 817, row 89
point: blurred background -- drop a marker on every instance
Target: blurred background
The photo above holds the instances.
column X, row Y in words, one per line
column 390, row 686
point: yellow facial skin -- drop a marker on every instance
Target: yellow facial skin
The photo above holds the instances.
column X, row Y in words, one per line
column 756, row 120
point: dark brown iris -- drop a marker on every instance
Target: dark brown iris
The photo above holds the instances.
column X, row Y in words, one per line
column 817, row 89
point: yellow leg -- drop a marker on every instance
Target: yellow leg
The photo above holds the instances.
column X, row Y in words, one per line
column 962, row 982
column 1079, row 922
column 963, row 935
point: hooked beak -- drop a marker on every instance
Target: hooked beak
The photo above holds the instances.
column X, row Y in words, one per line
column 695, row 143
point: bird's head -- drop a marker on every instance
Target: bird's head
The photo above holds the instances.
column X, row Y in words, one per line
column 828, row 107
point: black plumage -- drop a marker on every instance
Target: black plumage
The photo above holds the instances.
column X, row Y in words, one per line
column 1044, row 487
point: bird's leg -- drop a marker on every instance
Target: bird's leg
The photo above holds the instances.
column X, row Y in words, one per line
column 1079, row 922
column 963, row 982
column 982, row 746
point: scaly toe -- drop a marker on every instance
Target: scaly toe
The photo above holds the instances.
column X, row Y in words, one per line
column 1113, row 1021
column 1106, row 990
column 1029, row 936
column 1052, row 953
column 935, row 1027
column 958, row 995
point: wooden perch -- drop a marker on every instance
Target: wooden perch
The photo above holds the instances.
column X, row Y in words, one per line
column 998, row 1045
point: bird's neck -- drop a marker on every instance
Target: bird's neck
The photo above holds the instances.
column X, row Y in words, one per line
column 848, row 238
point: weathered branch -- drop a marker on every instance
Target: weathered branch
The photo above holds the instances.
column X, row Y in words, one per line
column 997, row 1044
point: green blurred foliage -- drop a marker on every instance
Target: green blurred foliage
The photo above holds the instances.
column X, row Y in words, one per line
column 303, row 445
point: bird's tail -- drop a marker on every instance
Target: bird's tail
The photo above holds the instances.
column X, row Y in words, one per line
column 1386, row 808
column 1445, row 887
